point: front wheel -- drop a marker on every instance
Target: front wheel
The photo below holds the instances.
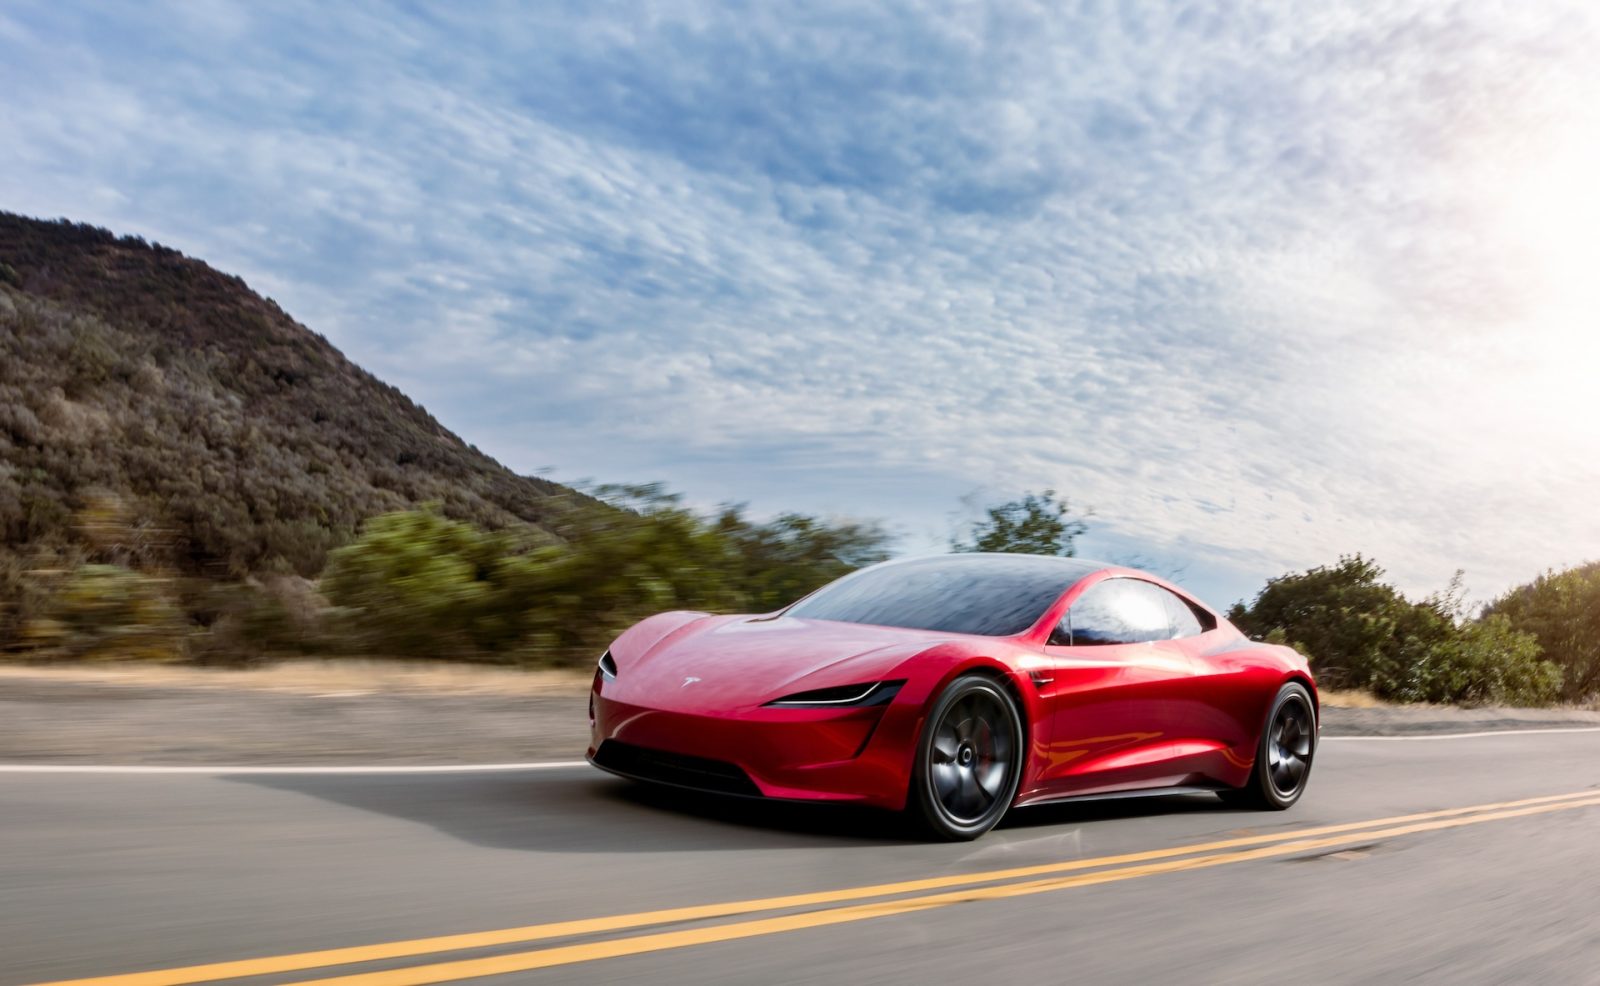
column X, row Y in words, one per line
column 1283, row 757
column 969, row 760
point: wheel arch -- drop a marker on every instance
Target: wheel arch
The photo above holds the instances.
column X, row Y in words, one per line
column 1007, row 678
column 1311, row 689
column 976, row 671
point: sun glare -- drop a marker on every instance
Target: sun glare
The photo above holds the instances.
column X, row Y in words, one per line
column 1552, row 217
column 1544, row 232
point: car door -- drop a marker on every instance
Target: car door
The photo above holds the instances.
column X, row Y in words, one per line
column 1219, row 719
column 1115, row 692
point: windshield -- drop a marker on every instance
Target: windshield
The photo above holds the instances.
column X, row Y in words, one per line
column 990, row 595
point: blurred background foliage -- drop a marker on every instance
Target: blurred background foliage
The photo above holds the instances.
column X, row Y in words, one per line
column 419, row 584
column 108, row 612
column 416, row 583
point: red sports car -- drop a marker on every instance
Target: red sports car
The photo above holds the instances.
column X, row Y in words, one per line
column 957, row 686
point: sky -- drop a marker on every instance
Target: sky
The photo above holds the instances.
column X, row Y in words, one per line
column 1259, row 284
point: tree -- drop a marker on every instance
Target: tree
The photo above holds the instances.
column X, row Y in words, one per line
column 418, row 584
column 1037, row 524
column 110, row 613
column 1342, row 617
column 634, row 551
column 1562, row 610
column 637, row 550
column 1360, row 632
column 793, row 554
column 1484, row 661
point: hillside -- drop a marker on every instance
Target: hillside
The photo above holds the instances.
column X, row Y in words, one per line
column 159, row 411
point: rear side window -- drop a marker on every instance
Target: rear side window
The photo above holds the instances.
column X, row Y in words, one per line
column 1185, row 619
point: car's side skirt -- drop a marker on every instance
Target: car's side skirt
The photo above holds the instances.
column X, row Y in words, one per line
column 1139, row 792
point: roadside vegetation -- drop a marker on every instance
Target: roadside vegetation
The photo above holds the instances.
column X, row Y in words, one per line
column 418, row 584
column 1362, row 633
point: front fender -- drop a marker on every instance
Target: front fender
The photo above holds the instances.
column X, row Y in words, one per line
column 649, row 633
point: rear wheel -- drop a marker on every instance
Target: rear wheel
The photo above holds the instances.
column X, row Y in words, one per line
column 1283, row 757
column 969, row 760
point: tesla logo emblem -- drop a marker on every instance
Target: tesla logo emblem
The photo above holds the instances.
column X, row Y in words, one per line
column 688, row 681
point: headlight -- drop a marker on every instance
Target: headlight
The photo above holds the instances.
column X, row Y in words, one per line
column 608, row 665
column 853, row 696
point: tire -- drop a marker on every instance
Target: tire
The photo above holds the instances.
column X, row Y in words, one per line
column 1284, row 753
column 969, row 760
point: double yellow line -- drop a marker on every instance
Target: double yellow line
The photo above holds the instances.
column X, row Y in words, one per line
column 816, row 910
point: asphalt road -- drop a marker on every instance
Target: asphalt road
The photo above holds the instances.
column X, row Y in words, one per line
column 108, row 873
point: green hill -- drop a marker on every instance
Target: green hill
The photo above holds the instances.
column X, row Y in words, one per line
column 157, row 413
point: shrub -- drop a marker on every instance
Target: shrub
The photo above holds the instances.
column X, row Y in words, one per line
column 260, row 619
column 1360, row 632
column 1483, row 662
column 107, row 612
column 1342, row 617
column 1561, row 610
column 417, row 584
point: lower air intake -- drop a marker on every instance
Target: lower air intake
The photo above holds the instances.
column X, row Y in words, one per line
column 674, row 768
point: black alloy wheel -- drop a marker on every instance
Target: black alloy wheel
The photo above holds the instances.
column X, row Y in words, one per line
column 1289, row 748
column 969, row 760
column 1283, row 759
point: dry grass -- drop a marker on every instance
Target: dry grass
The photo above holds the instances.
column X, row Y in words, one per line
column 321, row 677
column 1351, row 699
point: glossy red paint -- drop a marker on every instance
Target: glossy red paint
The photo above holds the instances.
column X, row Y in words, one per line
column 1098, row 719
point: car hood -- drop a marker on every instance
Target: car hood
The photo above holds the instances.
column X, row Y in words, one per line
column 725, row 664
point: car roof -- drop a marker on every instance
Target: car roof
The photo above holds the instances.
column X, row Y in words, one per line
column 1071, row 569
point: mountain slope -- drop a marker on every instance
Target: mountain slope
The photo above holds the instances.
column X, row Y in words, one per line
column 158, row 410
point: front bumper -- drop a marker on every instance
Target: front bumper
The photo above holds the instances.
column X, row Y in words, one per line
column 860, row 755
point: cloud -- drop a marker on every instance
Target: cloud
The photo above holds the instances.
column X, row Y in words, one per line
column 1231, row 275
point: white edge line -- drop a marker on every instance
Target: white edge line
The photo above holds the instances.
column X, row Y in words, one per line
column 465, row 768
column 1455, row 736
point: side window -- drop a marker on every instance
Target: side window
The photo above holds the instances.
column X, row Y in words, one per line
column 1095, row 617
column 1118, row 611
column 1146, row 606
column 1185, row 621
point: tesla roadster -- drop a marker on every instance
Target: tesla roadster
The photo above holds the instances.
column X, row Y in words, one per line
column 956, row 687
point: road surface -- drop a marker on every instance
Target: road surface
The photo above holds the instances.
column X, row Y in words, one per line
column 1466, row 860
